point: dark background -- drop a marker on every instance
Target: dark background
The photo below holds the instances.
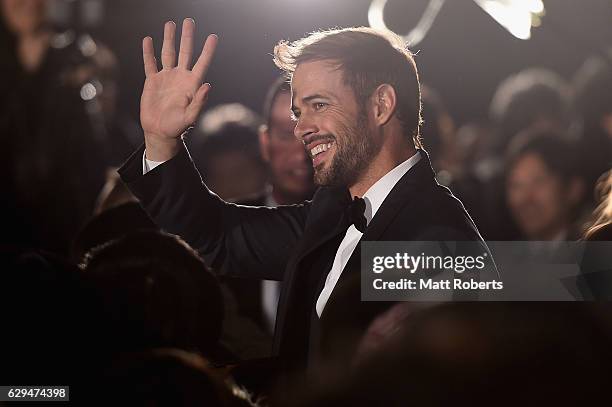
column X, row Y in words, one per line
column 464, row 56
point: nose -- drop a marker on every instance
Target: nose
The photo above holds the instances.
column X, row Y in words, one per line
column 304, row 128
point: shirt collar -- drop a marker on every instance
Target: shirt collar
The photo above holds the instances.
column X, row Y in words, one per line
column 377, row 193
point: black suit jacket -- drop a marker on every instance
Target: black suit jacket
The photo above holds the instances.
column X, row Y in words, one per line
column 297, row 243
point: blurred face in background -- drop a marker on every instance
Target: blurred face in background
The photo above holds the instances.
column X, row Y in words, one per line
column 24, row 17
column 540, row 201
column 290, row 167
column 235, row 174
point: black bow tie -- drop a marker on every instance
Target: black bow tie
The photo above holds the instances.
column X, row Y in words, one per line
column 355, row 214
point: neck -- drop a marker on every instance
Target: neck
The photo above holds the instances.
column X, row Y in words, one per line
column 391, row 155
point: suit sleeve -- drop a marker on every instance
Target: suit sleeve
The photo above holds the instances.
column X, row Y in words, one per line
column 244, row 241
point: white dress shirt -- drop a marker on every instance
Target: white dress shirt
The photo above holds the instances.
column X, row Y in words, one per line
column 270, row 289
column 374, row 197
column 148, row 165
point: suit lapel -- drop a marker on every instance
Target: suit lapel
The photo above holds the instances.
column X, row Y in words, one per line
column 401, row 197
column 326, row 220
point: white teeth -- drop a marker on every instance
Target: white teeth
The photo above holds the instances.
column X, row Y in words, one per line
column 320, row 148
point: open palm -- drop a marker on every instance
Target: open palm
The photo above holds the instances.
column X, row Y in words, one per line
column 173, row 97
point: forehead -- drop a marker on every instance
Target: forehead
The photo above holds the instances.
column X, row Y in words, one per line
column 529, row 164
column 317, row 78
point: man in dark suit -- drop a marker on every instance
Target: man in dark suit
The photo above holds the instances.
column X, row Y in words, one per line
column 356, row 101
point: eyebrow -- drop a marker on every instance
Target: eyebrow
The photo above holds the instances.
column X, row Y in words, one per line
column 308, row 99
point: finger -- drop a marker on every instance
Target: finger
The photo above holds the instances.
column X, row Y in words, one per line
column 168, row 53
column 196, row 105
column 206, row 56
column 186, row 49
column 148, row 56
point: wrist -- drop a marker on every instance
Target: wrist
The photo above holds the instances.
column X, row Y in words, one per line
column 161, row 150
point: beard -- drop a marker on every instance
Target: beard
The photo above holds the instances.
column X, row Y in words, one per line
column 355, row 148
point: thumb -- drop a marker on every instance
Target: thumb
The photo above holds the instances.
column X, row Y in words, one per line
column 196, row 105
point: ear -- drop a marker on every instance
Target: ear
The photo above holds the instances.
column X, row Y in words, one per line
column 264, row 142
column 385, row 104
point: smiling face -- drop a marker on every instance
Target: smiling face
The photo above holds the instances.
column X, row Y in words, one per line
column 333, row 127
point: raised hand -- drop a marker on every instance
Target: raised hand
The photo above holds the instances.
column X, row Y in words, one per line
column 173, row 97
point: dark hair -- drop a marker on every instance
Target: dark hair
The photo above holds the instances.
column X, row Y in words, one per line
column 109, row 225
column 156, row 291
column 592, row 84
column 225, row 128
column 437, row 122
column 169, row 377
column 553, row 147
column 523, row 98
column 279, row 86
column 367, row 59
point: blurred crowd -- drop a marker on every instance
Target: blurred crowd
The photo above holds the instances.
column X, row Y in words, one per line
column 97, row 296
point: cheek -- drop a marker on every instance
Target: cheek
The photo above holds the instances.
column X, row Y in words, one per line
column 335, row 121
column 548, row 193
column 516, row 192
column 280, row 155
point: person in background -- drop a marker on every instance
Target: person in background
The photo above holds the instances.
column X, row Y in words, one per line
column 290, row 172
column 157, row 292
column 225, row 143
column 439, row 126
column 532, row 98
column 289, row 169
column 54, row 163
column 451, row 152
column 101, row 90
column 544, row 189
column 592, row 83
column 289, row 182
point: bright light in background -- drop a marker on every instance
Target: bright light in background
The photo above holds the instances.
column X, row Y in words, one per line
column 536, row 6
column 376, row 19
column 516, row 16
column 376, row 12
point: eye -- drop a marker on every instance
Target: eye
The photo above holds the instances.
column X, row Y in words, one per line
column 318, row 106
